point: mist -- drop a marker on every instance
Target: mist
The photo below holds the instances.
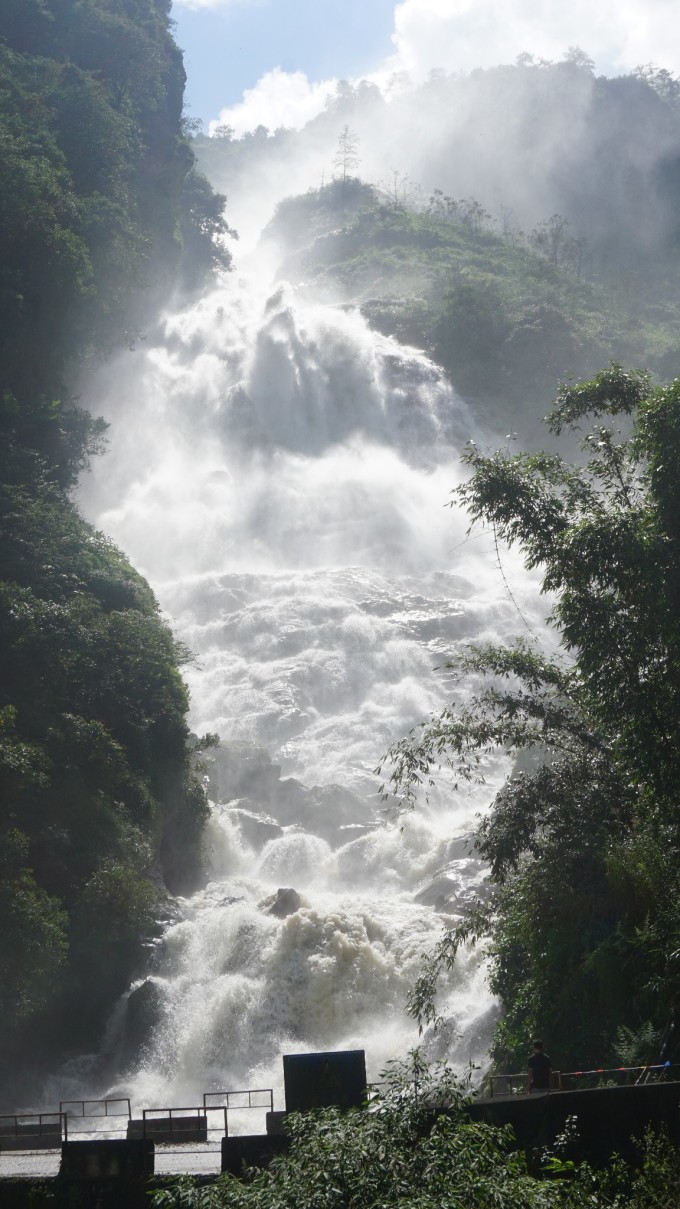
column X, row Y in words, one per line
column 526, row 141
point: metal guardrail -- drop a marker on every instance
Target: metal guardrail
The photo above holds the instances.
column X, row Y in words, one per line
column 104, row 1111
column 652, row 1073
column 227, row 1095
column 618, row 1076
column 520, row 1078
column 229, row 1103
column 107, row 1116
column 179, row 1122
column 27, row 1125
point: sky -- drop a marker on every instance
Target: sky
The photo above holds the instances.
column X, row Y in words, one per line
column 276, row 61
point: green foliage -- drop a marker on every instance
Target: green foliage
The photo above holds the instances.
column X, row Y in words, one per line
column 33, row 943
column 504, row 311
column 582, row 841
column 93, row 738
column 203, row 230
column 59, row 438
column 635, row 1047
column 502, row 317
column 657, row 1184
column 100, row 806
column 94, row 168
column 414, row 1148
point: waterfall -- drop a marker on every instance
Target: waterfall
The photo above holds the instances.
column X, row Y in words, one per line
column 280, row 472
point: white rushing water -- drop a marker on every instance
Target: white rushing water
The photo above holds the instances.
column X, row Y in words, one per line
column 279, row 473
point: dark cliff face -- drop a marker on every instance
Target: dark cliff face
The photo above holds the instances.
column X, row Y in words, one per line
column 100, row 810
column 94, row 169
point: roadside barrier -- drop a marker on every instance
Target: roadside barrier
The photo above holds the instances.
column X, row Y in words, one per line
column 231, row 1101
column 32, row 1130
column 92, row 1111
column 575, row 1080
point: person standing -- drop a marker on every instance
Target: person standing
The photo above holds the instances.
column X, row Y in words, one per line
column 540, row 1069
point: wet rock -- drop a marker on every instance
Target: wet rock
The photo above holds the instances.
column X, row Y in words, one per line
column 257, row 829
column 285, row 902
column 441, row 893
column 144, row 1006
column 456, row 891
column 480, row 891
column 460, row 847
column 240, row 770
column 242, row 775
column 321, row 809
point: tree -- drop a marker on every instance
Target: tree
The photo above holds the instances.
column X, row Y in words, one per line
column 204, row 230
column 577, row 58
column 347, row 156
column 583, row 841
column 33, row 944
column 551, row 237
column 400, row 190
column 473, row 326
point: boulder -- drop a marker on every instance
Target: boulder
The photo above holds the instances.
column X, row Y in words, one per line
column 441, row 893
column 321, row 809
column 144, row 1005
column 285, row 902
column 257, row 829
column 239, row 769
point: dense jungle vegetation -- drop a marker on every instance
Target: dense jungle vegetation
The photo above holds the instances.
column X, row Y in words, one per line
column 101, row 210
column 582, row 841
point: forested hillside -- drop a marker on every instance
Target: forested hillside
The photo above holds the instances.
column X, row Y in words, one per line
column 518, row 223
column 101, row 211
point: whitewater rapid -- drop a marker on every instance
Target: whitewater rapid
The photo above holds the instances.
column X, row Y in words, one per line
column 279, row 472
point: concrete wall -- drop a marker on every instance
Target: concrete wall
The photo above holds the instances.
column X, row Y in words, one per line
column 251, row 1150
column 607, row 1117
column 116, row 1158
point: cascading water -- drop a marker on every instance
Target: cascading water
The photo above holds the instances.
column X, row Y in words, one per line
column 278, row 471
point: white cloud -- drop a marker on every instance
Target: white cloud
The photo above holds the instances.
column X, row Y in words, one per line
column 463, row 34
column 459, row 35
column 279, row 98
column 206, row 4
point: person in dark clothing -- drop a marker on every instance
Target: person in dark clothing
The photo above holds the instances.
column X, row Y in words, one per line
column 540, row 1069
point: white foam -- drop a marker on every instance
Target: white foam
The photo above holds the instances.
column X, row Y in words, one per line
column 280, row 473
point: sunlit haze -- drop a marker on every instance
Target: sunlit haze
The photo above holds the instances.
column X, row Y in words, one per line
column 275, row 61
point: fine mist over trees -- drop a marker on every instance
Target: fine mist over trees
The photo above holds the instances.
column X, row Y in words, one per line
column 526, row 140
column 527, row 234
column 102, row 213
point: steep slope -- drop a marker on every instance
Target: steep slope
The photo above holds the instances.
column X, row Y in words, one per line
column 528, row 233
column 100, row 810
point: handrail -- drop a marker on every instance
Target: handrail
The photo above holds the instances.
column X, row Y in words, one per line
column 560, row 1076
column 249, row 1092
column 666, row 1067
column 268, row 1092
column 16, row 1117
column 63, row 1107
column 522, row 1076
column 170, row 1116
